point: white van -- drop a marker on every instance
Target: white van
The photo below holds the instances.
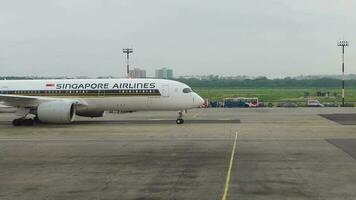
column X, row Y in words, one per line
column 314, row 103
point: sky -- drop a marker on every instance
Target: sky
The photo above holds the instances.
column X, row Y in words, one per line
column 274, row 38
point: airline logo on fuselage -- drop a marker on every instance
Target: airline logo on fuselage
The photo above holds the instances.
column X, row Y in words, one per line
column 93, row 86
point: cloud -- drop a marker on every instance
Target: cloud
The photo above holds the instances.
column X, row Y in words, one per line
column 192, row 36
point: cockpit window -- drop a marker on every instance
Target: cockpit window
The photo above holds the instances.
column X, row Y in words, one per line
column 187, row 90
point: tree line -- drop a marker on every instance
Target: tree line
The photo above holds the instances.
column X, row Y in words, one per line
column 263, row 82
column 259, row 82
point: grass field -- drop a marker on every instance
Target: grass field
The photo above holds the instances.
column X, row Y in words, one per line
column 277, row 95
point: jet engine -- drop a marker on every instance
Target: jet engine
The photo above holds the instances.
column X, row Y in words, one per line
column 59, row 112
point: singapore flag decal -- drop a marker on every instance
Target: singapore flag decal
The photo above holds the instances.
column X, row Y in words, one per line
column 50, row 85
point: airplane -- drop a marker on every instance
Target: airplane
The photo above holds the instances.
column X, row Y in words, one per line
column 60, row 100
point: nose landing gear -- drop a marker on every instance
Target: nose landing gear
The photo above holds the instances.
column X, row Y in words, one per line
column 180, row 119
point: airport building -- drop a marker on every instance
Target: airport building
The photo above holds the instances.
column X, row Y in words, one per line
column 137, row 73
column 164, row 73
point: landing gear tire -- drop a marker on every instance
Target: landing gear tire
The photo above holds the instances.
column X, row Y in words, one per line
column 17, row 122
column 180, row 118
column 180, row 121
column 28, row 122
column 37, row 120
column 24, row 122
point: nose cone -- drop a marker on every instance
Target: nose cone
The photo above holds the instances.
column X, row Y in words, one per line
column 198, row 100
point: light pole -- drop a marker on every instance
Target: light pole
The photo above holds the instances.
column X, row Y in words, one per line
column 128, row 51
column 343, row 44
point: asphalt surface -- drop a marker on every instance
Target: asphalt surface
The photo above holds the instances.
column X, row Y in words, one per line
column 342, row 118
column 280, row 154
column 347, row 145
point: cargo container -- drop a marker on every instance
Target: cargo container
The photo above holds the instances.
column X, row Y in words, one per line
column 215, row 104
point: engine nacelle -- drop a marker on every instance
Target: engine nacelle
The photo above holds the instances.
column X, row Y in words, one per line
column 85, row 113
column 60, row 112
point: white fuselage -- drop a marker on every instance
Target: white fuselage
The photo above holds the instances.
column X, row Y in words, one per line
column 109, row 94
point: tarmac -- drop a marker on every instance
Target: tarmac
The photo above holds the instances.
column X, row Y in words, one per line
column 261, row 153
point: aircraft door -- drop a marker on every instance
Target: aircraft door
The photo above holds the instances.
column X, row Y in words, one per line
column 165, row 91
column 149, row 101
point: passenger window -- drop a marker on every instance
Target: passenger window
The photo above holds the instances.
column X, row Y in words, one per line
column 187, row 90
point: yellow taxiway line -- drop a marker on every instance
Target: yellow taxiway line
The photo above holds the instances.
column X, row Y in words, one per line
column 228, row 176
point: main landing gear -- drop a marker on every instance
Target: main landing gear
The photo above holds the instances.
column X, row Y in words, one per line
column 25, row 122
column 180, row 119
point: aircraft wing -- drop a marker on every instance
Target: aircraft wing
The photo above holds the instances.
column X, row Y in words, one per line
column 32, row 101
